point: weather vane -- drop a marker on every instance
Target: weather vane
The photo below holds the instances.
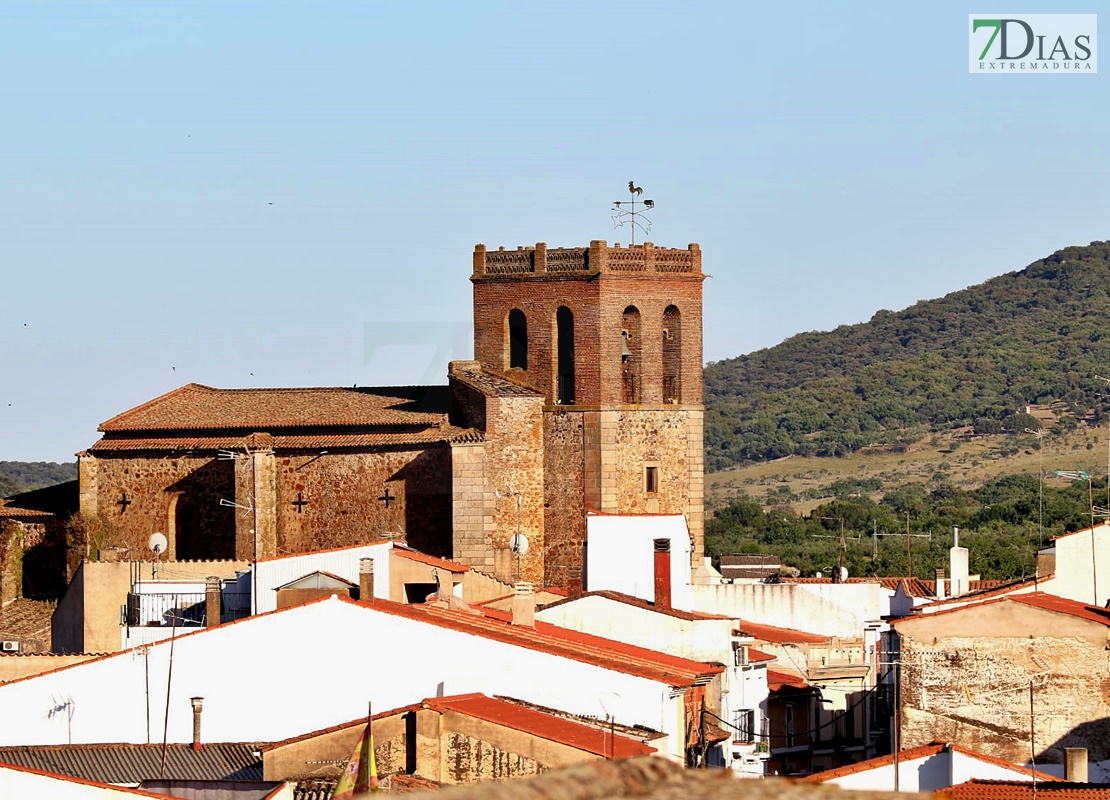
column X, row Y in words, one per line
column 633, row 217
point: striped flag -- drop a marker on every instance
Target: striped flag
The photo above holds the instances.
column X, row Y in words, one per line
column 361, row 773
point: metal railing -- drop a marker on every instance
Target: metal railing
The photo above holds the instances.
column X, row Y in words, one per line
column 181, row 609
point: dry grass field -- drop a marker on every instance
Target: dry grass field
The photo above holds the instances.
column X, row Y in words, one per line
column 956, row 457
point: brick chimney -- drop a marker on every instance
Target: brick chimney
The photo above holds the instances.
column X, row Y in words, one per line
column 366, row 579
column 1075, row 764
column 940, row 584
column 198, row 706
column 212, row 602
column 524, row 605
column 662, row 573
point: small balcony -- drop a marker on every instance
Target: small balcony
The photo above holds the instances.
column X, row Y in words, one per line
column 180, row 609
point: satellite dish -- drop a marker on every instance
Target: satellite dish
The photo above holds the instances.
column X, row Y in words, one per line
column 157, row 543
column 519, row 544
column 843, row 573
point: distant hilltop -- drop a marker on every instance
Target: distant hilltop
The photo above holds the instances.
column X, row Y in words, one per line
column 977, row 357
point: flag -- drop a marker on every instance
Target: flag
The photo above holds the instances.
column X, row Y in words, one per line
column 361, row 773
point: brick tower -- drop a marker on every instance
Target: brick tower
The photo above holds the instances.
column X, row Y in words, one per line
column 611, row 337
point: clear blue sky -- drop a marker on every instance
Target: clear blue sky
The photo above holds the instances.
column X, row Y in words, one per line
column 279, row 194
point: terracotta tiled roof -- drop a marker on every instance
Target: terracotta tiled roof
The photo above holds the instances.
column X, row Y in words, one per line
column 432, row 561
column 1081, row 530
column 980, row 789
column 131, row 763
column 556, row 729
column 27, row 619
column 780, row 678
column 547, row 638
column 630, row 600
column 115, row 443
column 11, row 512
column 488, row 383
column 195, row 407
column 1047, row 602
column 769, row 633
column 987, row 590
column 910, row 754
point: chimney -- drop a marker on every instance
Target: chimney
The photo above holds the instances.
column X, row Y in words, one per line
column 366, row 579
column 524, row 605
column 958, row 561
column 1075, row 764
column 662, row 573
column 574, row 581
column 940, row 584
column 212, row 602
column 198, row 706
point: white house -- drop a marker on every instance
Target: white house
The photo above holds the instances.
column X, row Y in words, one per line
column 925, row 769
column 307, row 667
column 689, row 634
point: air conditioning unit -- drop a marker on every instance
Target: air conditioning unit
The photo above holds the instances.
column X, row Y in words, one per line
column 9, row 647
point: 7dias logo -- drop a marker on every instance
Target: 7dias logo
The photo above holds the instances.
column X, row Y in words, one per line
column 1053, row 43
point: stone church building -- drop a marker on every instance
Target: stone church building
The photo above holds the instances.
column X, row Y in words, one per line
column 584, row 395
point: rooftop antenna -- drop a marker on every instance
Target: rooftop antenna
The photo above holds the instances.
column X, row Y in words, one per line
column 631, row 216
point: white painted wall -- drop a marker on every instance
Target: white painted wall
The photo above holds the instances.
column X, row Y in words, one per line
column 16, row 782
column 343, row 563
column 829, row 609
column 700, row 640
column 1079, row 569
column 620, row 555
column 707, row 640
column 930, row 773
column 309, row 667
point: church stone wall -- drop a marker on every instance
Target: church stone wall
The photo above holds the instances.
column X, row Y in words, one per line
column 137, row 496
column 564, row 495
column 338, row 499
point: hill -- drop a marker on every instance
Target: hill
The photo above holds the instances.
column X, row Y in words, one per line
column 23, row 476
column 977, row 358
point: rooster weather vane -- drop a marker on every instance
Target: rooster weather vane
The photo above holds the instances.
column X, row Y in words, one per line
column 632, row 216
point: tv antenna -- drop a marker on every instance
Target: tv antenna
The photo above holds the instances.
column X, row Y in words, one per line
column 632, row 216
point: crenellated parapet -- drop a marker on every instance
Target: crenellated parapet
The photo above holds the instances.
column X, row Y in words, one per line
column 598, row 258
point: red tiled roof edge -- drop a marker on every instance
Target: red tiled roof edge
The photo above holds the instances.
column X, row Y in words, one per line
column 912, row 753
column 432, row 561
column 104, row 426
column 1039, row 600
column 638, row 602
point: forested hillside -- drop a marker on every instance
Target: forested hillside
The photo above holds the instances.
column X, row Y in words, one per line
column 22, row 476
column 974, row 357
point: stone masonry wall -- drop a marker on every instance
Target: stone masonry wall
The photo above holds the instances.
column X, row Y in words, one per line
column 564, row 495
column 975, row 690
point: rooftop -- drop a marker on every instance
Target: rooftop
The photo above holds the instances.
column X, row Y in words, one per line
column 774, row 635
column 131, row 763
column 630, row 600
column 1041, row 600
column 195, row 407
column 980, row 789
column 910, row 754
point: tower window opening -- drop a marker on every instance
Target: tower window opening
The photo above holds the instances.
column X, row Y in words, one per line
column 651, row 480
column 672, row 355
column 630, row 355
column 564, row 369
column 518, row 340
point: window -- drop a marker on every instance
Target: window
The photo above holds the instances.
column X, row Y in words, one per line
column 564, row 369
column 672, row 355
column 630, row 355
column 651, row 479
column 745, row 725
column 789, row 732
column 518, row 340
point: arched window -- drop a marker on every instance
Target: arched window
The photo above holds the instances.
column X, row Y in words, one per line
column 518, row 340
column 564, row 362
column 672, row 355
column 630, row 355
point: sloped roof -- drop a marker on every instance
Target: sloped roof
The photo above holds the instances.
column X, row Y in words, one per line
column 913, row 753
column 431, row 561
column 117, row 443
column 475, row 376
column 782, row 678
column 131, row 763
column 775, row 635
column 195, row 407
column 630, row 600
column 318, row 580
column 1041, row 600
column 980, row 789
column 517, row 716
column 27, row 619
column 547, row 638
column 545, row 726
column 13, row 512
